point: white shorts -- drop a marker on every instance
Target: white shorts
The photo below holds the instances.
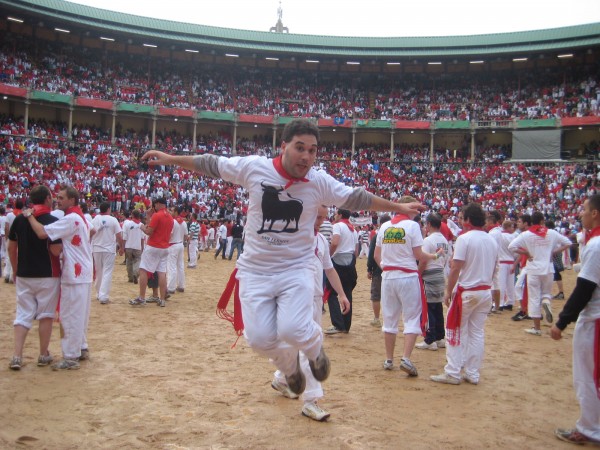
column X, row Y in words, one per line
column 36, row 299
column 154, row 259
column 401, row 296
column 496, row 279
column 539, row 287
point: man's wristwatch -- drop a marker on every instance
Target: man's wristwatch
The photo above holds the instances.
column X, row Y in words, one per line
column 27, row 213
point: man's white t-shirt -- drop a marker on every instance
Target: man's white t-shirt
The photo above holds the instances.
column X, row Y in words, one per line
column 431, row 244
column 479, row 252
column 541, row 248
column 397, row 241
column 590, row 270
column 104, row 240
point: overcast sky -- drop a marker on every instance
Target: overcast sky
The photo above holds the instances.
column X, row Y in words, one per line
column 400, row 18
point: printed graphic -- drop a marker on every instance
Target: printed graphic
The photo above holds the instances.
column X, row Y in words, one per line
column 276, row 210
column 394, row 236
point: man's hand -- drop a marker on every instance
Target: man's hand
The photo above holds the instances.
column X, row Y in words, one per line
column 555, row 333
column 344, row 304
column 157, row 158
column 369, row 275
column 410, row 209
column 447, row 299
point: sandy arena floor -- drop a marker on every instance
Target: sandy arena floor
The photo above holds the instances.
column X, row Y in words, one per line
column 167, row 378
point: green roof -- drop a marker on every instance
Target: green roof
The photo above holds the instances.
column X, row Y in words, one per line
column 203, row 36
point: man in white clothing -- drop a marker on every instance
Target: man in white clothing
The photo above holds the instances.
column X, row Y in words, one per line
column 275, row 273
column 506, row 261
column 494, row 227
column 106, row 234
column 175, row 262
column 10, row 218
column 221, row 236
column 539, row 244
column 468, row 297
column 583, row 306
column 399, row 246
column 314, row 390
column 134, row 244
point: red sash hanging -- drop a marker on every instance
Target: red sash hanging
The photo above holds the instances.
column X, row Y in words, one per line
column 423, row 296
column 235, row 318
column 455, row 314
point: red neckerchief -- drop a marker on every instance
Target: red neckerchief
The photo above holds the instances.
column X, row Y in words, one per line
column 281, row 171
column 136, row 220
column 236, row 319
column 539, row 230
column 77, row 210
column 348, row 224
column 593, row 233
column 16, row 211
column 399, row 217
column 454, row 316
column 38, row 210
column 179, row 220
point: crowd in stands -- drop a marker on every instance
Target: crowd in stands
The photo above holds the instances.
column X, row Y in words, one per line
column 102, row 171
column 569, row 91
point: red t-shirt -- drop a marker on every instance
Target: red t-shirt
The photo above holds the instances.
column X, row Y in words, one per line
column 162, row 224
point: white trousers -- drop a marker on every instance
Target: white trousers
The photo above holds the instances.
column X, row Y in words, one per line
column 104, row 264
column 314, row 389
column 475, row 308
column 520, row 284
column 7, row 273
column 175, row 268
column 75, row 300
column 193, row 252
column 539, row 287
column 583, row 379
column 507, row 284
column 278, row 316
column 401, row 296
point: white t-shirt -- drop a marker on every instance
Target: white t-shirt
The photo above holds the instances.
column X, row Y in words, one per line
column 541, row 249
column 273, row 244
column 322, row 262
column 397, row 242
column 347, row 243
column 211, row 233
column 504, row 254
column 590, row 270
column 104, row 240
column 133, row 234
column 431, row 244
column 179, row 232
column 77, row 265
column 479, row 252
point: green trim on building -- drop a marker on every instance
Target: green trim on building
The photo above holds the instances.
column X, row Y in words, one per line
column 452, row 125
column 51, row 97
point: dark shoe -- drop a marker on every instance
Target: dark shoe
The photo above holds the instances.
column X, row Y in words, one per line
column 85, row 354
column 519, row 316
column 297, row 382
column 507, row 307
column 559, row 296
column 180, row 290
column 321, row 366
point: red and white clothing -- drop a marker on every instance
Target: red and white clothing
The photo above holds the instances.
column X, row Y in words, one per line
column 400, row 289
column 584, row 340
column 540, row 269
column 175, row 262
column 479, row 252
column 76, row 281
column 104, row 246
column 506, row 278
column 276, row 270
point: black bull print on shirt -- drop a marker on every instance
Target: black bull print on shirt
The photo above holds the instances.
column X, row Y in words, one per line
column 274, row 209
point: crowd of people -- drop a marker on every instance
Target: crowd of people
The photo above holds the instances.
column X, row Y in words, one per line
column 532, row 94
column 462, row 248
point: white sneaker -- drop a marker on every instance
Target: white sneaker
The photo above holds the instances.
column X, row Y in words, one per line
column 533, row 331
column 284, row 389
column 441, row 343
column 469, row 379
column 313, row 411
column 388, row 364
column 444, row 378
column 376, row 323
column 425, row 346
column 407, row 366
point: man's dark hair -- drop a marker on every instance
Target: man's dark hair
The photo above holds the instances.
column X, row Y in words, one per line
column 19, row 204
column 39, row 194
column 473, row 212
column 385, row 218
column 71, row 193
column 344, row 213
column 299, row 127
column 550, row 224
column 495, row 215
column 136, row 213
column 104, row 206
column 434, row 220
column 537, row 218
column 594, row 202
column 525, row 218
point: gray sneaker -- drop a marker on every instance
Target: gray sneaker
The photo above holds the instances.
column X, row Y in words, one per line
column 388, row 364
column 547, row 311
column 16, row 363
column 44, row 360
column 66, row 364
column 85, row 354
column 152, row 299
column 407, row 366
column 284, row 389
column 137, row 302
